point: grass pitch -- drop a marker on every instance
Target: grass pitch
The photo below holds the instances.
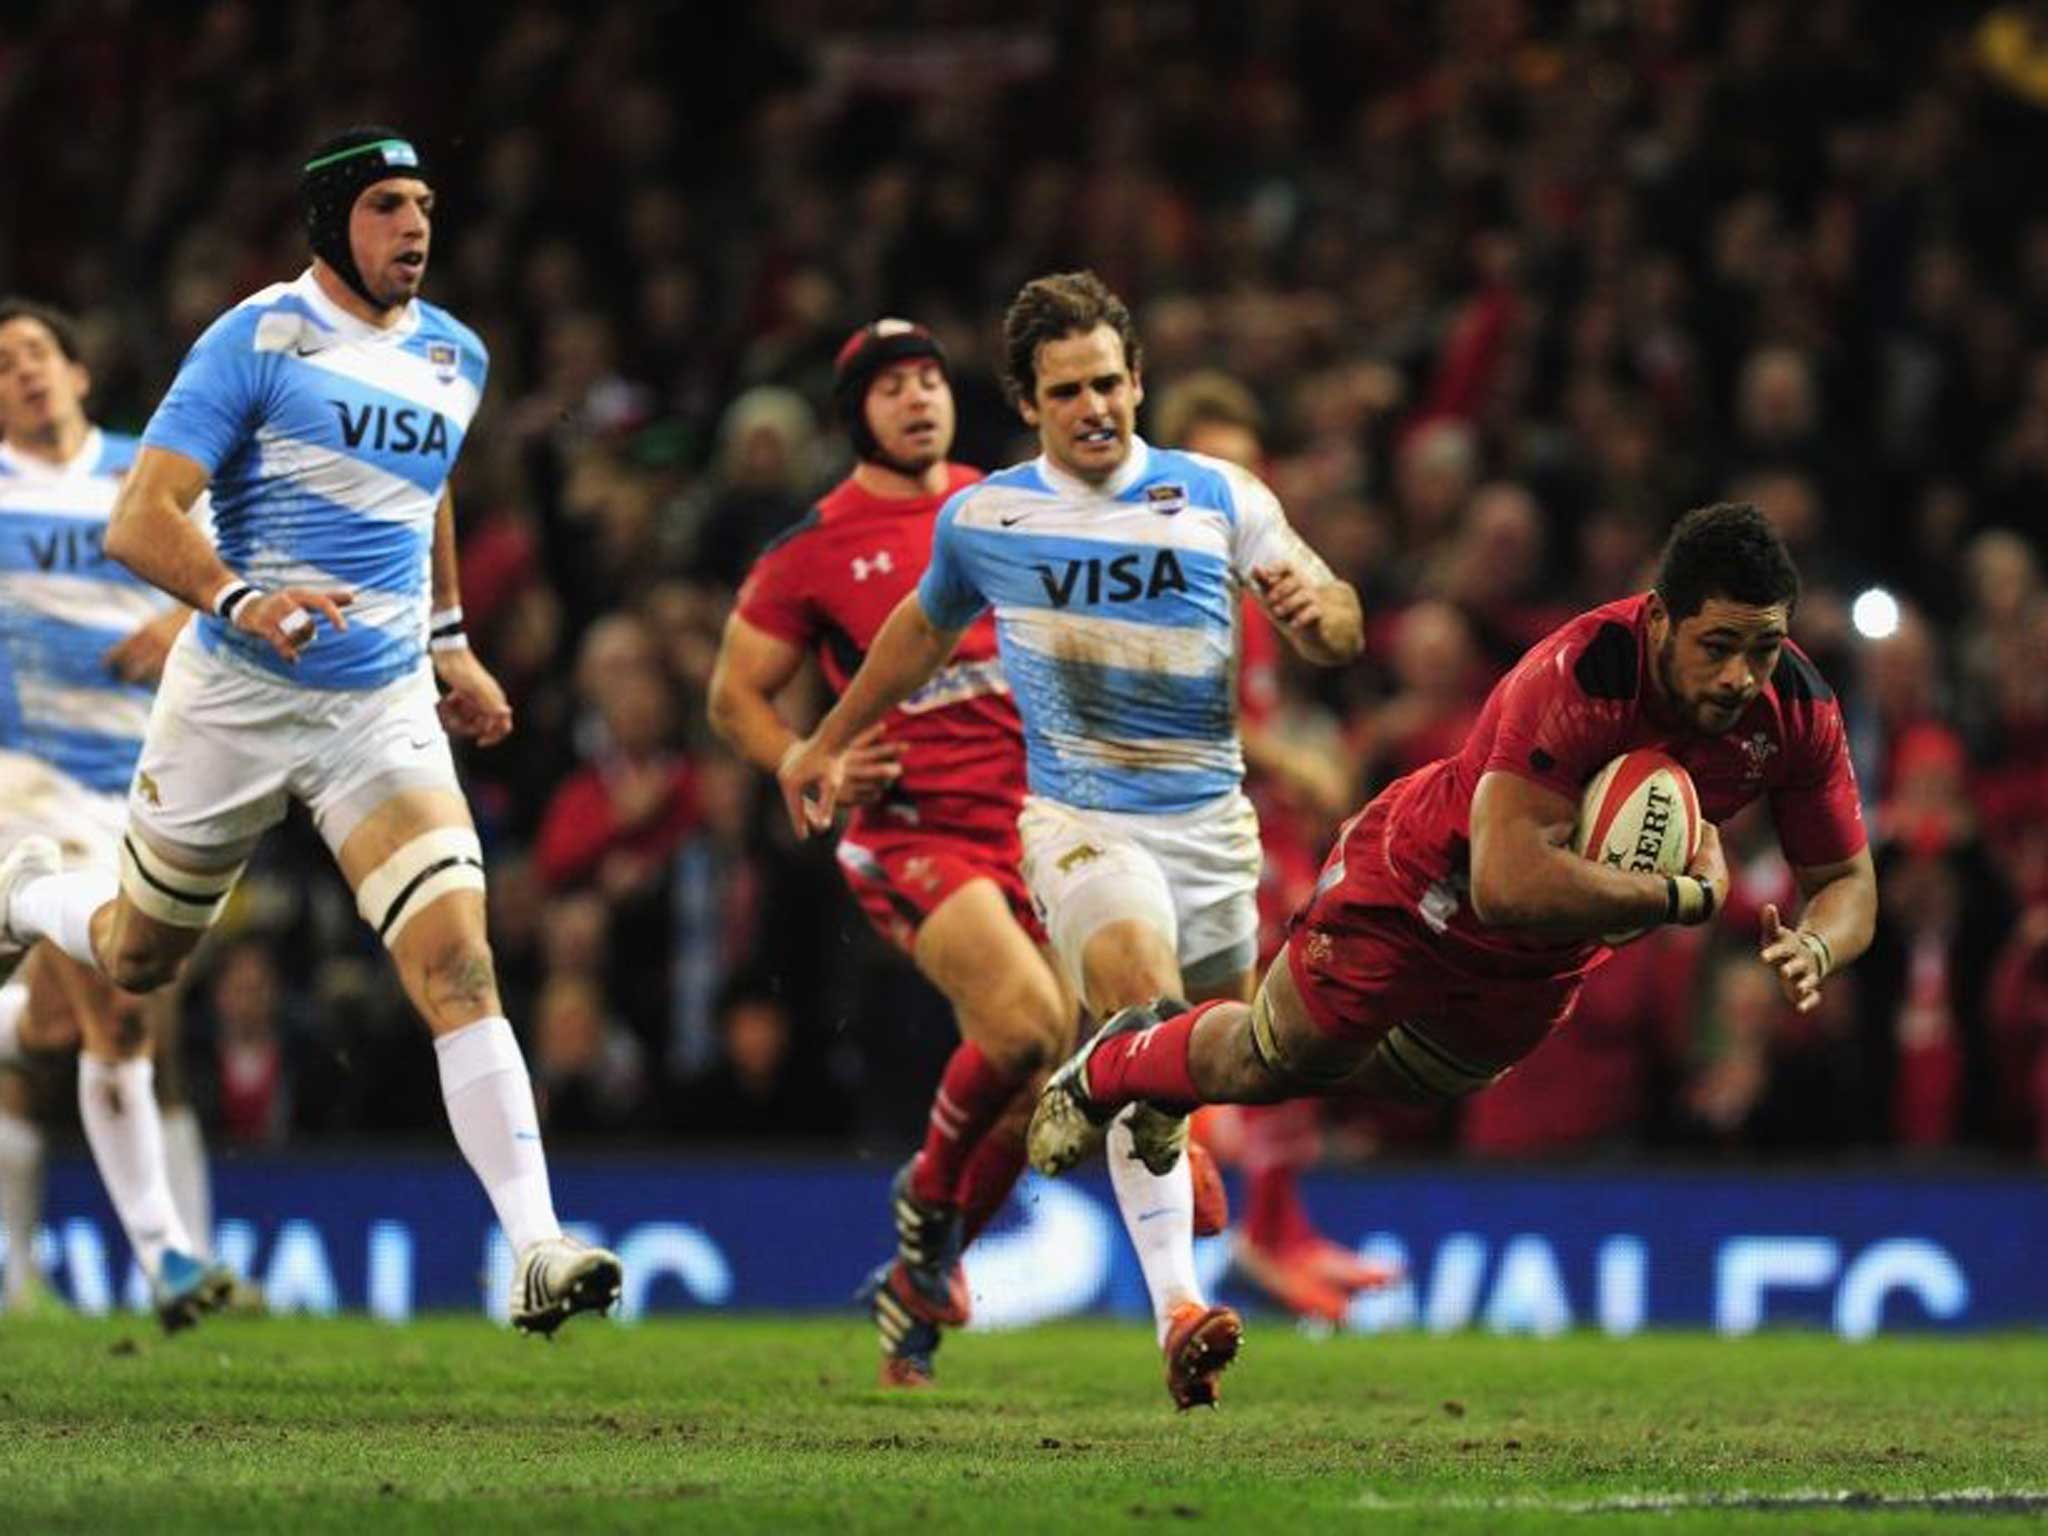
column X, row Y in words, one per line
column 764, row 1424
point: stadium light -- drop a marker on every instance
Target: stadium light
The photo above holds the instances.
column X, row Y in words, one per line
column 1875, row 614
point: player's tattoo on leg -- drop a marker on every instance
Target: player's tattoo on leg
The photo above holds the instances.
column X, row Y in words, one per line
column 460, row 978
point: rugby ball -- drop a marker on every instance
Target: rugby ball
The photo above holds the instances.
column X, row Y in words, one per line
column 1640, row 813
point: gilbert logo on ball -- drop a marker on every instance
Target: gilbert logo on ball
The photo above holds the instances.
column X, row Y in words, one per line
column 1639, row 813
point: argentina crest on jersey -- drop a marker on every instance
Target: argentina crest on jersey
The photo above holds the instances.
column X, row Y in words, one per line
column 1166, row 498
column 444, row 359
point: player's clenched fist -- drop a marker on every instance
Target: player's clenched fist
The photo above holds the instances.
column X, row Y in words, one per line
column 474, row 704
column 812, row 780
column 284, row 618
column 1291, row 600
column 872, row 764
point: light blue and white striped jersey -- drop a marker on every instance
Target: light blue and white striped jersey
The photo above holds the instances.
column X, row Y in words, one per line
column 329, row 443
column 63, row 606
column 1116, row 610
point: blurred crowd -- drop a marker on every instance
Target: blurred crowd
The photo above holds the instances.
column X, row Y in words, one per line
column 1492, row 288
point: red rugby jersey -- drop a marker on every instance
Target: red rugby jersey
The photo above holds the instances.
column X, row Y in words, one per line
column 1583, row 695
column 828, row 583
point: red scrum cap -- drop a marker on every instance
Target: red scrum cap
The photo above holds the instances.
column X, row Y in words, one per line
column 866, row 353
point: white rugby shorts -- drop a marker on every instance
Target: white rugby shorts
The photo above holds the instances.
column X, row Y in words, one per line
column 1193, row 875
column 228, row 748
column 36, row 798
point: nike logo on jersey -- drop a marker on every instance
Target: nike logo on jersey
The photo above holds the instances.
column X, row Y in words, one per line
column 387, row 430
column 1011, row 522
column 1118, row 580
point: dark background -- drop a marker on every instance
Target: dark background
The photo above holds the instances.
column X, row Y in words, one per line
column 1512, row 285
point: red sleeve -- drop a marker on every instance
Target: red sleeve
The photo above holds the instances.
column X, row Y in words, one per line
column 1548, row 730
column 772, row 598
column 1816, row 806
column 1258, row 669
column 575, row 832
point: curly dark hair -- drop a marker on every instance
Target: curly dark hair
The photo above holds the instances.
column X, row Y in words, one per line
column 1730, row 551
column 55, row 321
column 1051, row 307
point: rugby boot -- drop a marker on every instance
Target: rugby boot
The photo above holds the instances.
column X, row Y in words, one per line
column 929, row 1241
column 1065, row 1122
column 909, row 1343
column 185, row 1289
column 558, row 1277
column 1294, row 1286
column 1200, row 1342
column 30, row 859
column 1337, row 1265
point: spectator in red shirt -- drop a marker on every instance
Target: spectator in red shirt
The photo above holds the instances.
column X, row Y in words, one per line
column 616, row 820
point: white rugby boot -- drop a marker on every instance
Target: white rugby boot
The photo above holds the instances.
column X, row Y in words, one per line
column 30, row 859
column 558, row 1277
column 1067, row 1122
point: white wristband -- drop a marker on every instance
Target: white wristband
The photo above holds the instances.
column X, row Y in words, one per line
column 445, row 631
column 1817, row 947
column 232, row 594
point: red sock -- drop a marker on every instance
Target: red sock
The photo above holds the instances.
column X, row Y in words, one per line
column 1279, row 1141
column 1274, row 1217
column 986, row 1181
column 972, row 1092
column 1150, row 1064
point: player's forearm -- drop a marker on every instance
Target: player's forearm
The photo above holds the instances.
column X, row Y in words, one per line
column 908, row 649
column 1534, row 883
column 748, row 721
column 444, row 574
column 1844, row 914
column 152, row 536
column 1339, row 632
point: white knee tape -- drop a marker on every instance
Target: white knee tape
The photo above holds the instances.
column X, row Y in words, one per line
column 169, row 894
column 416, row 875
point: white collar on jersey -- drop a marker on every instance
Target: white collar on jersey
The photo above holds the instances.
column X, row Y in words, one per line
column 345, row 325
column 78, row 467
column 1128, row 473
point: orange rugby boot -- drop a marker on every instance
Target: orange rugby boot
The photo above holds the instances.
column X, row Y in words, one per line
column 1200, row 1342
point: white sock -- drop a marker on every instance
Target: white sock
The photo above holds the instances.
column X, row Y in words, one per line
column 1159, row 1213
column 117, row 1102
column 60, row 908
column 185, row 1166
column 21, row 1198
column 490, row 1106
column 13, row 1004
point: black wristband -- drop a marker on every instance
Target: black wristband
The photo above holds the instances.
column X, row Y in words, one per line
column 1688, row 900
column 226, row 604
column 445, row 631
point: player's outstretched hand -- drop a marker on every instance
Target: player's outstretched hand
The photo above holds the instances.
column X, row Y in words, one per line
column 1290, row 600
column 473, row 706
column 284, row 618
column 812, row 782
column 140, row 657
column 871, row 766
column 1799, row 958
column 1710, row 864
